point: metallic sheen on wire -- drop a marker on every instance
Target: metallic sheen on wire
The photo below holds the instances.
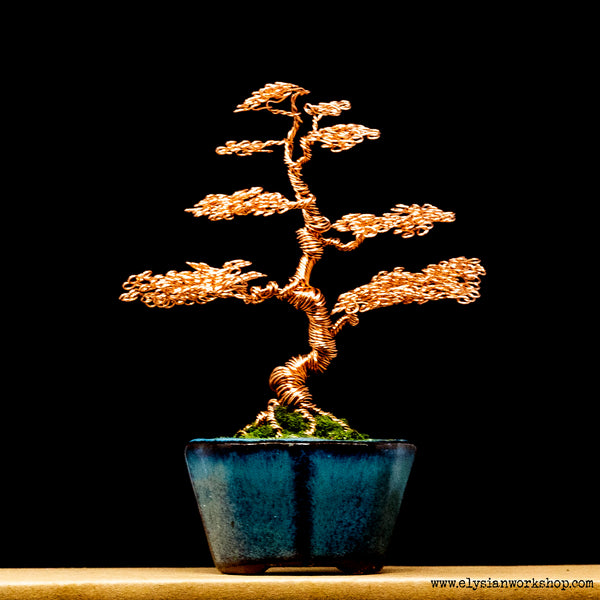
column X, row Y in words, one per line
column 458, row 278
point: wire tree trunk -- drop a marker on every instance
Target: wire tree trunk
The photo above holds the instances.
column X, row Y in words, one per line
column 289, row 381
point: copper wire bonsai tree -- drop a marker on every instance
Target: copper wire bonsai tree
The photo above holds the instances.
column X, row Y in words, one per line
column 292, row 411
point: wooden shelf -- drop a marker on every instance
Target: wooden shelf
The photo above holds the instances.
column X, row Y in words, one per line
column 305, row 584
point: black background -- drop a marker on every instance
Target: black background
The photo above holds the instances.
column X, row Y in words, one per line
column 117, row 119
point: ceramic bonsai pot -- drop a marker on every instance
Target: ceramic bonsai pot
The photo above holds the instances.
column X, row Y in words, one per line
column 300, row 502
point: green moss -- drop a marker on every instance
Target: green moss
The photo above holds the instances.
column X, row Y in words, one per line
column 260, row 431
column 329, row 429
column 294, row 424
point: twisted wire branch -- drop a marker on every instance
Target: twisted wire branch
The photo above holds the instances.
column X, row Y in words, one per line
column 252, row 201
column 404, row 220
column 203, row 284
column 333, row 109
column 272, row 92
column 246, row 147
column 341, row 137
column 458, row 279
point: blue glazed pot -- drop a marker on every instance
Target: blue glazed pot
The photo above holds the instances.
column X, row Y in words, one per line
column 306, row 502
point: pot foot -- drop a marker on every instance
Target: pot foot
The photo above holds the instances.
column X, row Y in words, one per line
column 244, row 570
column 360, row 568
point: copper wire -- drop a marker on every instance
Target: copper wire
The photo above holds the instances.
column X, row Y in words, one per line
column 271, row 93
column 341, row 137
column 246, row 147
column 457, row 278
column 404, row 220
column 251, row 201
column 289, row 381
column 203, row 284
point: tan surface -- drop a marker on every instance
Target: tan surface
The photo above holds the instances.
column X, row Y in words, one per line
column 307, row 584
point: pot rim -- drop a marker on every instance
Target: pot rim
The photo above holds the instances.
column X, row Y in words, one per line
column 298, row 441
